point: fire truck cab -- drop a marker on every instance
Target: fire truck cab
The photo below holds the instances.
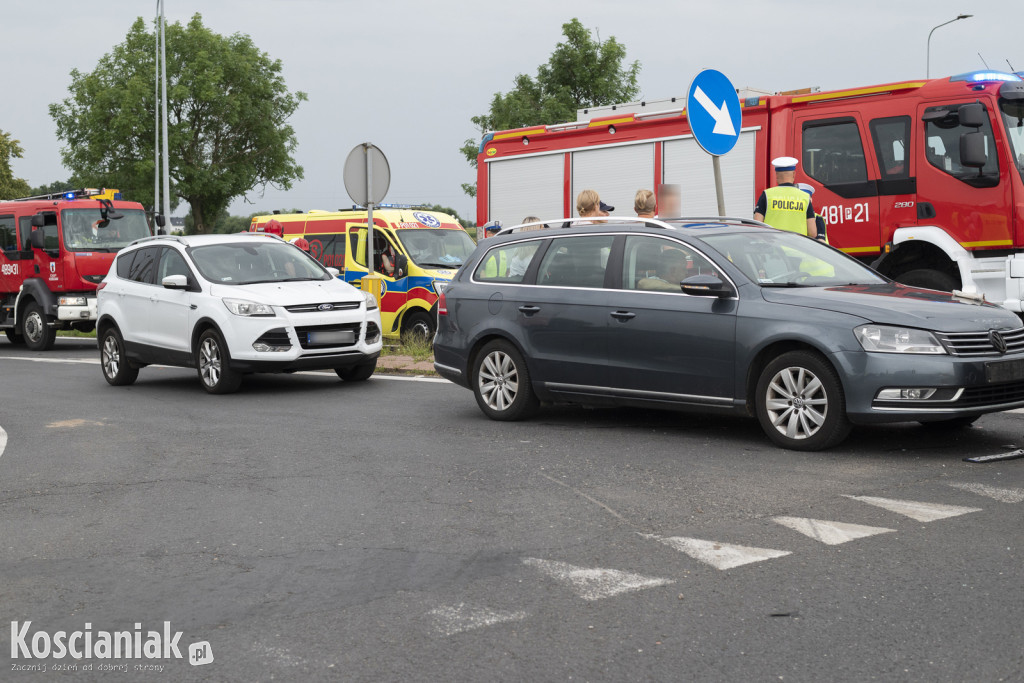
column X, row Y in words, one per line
column 924, row 180
column 54, row 251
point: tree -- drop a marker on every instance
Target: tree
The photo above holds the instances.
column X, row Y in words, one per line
column 10, row 187
column 55, row 187
column 464, row 222
column 228, row 108
column 582, row 72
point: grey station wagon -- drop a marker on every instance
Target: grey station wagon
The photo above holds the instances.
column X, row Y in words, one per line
column 718, row 315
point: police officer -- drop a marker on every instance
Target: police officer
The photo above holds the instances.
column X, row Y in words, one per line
column 819, row 221
column 786, row 206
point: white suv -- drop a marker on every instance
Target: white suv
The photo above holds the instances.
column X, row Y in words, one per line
column 228, row 305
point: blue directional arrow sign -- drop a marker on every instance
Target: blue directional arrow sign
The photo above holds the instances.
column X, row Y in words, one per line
column 713, row 108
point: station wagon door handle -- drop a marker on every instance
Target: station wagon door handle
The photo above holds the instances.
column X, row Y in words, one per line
column 623, row 315
column 528, row 310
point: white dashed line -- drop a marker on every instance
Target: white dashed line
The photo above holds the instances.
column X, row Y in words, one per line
column 718, row 555
column 458, row 618
column 594, row 584
column 3, row 440
column 73, row 361
column 1000, row 494
column 830, row 533
column 922, row 512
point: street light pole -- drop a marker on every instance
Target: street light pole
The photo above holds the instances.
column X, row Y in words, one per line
column 928, row 56
column 163, row 77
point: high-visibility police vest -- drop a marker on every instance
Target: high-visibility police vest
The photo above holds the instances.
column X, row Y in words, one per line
column 786, row 208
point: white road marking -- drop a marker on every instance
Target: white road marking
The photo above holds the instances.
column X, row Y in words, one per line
column 458, row 618
column 922, row 512
column 1017, row 410
column 1000, row 494
column 593, row 500
column 830, row 533
column 594, row 584
column 3, row 440
column 718, row 555
column 53, row 360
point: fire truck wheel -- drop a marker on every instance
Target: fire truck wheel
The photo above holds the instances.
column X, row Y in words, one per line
column 15, row 338
column 357, row 373
column 800, row 402
column 117, row 370
column 418, row 326
column 927, row 279
column 501, row 383
column 214, row 365
column 38, row 335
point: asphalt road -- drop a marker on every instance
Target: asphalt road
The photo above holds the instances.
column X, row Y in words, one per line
column 309, row 529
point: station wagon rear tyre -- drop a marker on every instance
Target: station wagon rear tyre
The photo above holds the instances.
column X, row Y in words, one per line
column 117, row 370
column 357, row 373
column 501, row 383
column 15, row 338
column 800, row 402
column 214, row 365
column 38, row 335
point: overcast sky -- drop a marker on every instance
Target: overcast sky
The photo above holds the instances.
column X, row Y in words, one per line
column 407, row 75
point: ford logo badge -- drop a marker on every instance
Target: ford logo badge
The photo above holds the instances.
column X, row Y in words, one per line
column 326, row 307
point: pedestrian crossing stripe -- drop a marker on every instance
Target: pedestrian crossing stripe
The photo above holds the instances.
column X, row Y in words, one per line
column 922, row 512
column 994, row 492
column 594, row 584
column 718, row 555
column 830, row 533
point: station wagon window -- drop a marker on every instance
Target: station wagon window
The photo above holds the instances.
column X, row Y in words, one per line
column 576, row 262
column 508, row 263
column 8, row 234
column 833, row 153
column 892, row 137
column 143, row 268
column 942, row 131
column 655, row 264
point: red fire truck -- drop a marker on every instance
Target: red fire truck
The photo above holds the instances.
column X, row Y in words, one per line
column 923, row 179
column 54, row 250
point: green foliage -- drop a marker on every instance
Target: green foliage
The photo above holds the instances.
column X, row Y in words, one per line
column 465, row 223
column 55, row 187
column 10, row 187
column 582, row 72
column 228, row 108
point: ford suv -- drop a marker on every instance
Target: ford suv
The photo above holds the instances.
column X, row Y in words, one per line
column 228, row 305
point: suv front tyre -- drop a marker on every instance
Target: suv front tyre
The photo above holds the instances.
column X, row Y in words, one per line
column 117, row 370
column 213, row 363
column 501, row 382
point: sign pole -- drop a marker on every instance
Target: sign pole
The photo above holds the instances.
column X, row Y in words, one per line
column 369, row 209
column 719, row 192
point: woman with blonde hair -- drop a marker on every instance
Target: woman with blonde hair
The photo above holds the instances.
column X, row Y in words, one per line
column 588, row 205
column 645, row 204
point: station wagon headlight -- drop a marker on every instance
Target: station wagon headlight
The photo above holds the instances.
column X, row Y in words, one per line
column 249, row 308
column 371, row 301
column 887, row 339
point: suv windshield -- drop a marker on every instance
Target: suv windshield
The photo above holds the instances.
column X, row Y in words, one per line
column 785, row 259
column 259, row 261
column 1013, row 117
column 85, row 230
column 437, row 248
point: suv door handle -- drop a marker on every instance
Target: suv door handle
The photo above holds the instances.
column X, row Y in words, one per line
column 623, row 315
column 528, row 310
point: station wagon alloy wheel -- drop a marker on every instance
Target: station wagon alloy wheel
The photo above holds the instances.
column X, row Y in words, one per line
column 796, row 403
column 111, row 357
column 501, row 382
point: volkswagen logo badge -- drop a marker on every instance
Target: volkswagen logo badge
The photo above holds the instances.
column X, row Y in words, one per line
column 330, row 307
column 997, row 341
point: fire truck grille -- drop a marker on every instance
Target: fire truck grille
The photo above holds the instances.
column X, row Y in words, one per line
column 323, row 336
column 981, row 343
column 991, row 395
column 316, row 308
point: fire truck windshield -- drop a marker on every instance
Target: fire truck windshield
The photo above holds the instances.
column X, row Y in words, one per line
column 85, row 229
column 1013, row 117
column 437, row 248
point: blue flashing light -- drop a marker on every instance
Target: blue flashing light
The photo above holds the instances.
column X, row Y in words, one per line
column 977, row 76
column 117, row 196
column 69, row 195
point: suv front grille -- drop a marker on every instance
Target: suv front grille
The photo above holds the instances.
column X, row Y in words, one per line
column 304, row 332
column 315, row 308
column 980, row 343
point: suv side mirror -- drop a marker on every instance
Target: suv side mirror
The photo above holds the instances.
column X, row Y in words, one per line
column 333, row 271
column 972, row 115
column 972, row 150
column 38, row 221
column 36, row 237
column 706, row 285
column 175, row 282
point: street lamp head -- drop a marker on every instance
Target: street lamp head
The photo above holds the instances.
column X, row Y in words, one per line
column 965, row 16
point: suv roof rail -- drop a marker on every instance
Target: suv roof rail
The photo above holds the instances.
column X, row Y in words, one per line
column 649, row 222
column 176, row 238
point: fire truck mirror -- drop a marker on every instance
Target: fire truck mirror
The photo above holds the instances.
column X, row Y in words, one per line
column 972, row 116
column 972, row 150
column 37, row 238
column 160, row 220
column 38, row 221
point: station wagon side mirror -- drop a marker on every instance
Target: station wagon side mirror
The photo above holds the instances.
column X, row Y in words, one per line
column 175, row 282
column 972, row 115
column 972, row 150
column 36, row 237
column 706, row 285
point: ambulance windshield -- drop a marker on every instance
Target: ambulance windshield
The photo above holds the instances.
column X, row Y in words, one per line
column 1013, row 117
column 437, row 248
column 85, row 229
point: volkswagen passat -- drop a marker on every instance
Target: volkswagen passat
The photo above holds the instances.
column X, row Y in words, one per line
column 228, row 305
column 719, row 315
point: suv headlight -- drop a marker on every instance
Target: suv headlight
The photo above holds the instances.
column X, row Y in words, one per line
column 371, row 301
column 886, row 339
column 249, row 308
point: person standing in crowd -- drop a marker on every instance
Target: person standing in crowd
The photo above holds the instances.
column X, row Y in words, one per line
column 670, row 202
column 786, row 206
column 522, row 256
column 589, row 205
column 645, row 204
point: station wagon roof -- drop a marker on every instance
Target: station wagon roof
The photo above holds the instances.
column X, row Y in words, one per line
column 691, row 226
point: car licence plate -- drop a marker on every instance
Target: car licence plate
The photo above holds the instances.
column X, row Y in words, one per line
column 1006, row 371
column 331, row 337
